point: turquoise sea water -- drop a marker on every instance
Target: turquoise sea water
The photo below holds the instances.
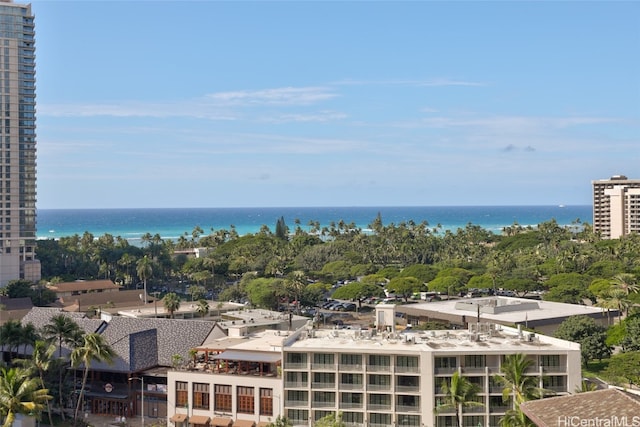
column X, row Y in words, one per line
column 170, row 223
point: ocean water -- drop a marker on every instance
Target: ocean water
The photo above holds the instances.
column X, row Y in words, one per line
column 170, row 223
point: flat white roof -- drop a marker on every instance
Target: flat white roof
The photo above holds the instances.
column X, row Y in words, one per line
column 501, row 339
column 507, row 309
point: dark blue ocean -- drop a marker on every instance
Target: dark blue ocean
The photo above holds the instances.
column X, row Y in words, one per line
column 170, row 223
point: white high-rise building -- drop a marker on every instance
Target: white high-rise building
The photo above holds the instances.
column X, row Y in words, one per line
column 17, row 144
column 616, row 206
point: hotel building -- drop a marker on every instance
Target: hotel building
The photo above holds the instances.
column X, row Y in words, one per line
column 17, row 144
column 616, row 206
column 377, row 377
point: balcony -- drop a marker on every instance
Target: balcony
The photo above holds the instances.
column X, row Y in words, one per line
column 323, row 385
column 323, row 367
column 379, row 368
column 379, row 407
column 554, row 369
column 407, row 388
column 350, row 367
column 379, row 387
column 407, row 408
column 445, row 371
column 351, row 386
column 407, row 369
column 296, row 384
column 351, row 405
column 323, row 404
column 296, row 403
column 296, row 365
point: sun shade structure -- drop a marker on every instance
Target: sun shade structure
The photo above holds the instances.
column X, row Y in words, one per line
column 221, row 422
column 248, row 356
column 179, row 418
column 199, row 419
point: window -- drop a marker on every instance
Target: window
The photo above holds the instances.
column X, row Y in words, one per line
column 552, row 360
column 321, row 414
column 223, row 398
column 295, row 397
column 297, row 379
column 351, row 359
column 298, row 416
column 554, row 383
column 297, row 358
column 380, row 401
column 353, row 417
column 407, row 383
column 351, row 400
column 323, row 399
column 378, row 360
column 324, row 378
column 245, row 400
column 323, row 359
column 182, row 393
column 407, row 401
column 379, row 381
column 448, row 363
column 350, row 380
column 200, row 396
column 407, row 362
column 380, row 419
column 474, row 361
column 409, row 420
column 266, row 401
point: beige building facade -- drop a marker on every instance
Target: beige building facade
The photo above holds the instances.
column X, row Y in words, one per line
column 616, row 206
column 17, row 144
column 375, row 377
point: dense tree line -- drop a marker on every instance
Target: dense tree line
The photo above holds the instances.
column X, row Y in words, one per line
column 568, row 263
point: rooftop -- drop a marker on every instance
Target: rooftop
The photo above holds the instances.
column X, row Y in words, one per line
column 595, row 408
column 484, row 337
column 504, row 309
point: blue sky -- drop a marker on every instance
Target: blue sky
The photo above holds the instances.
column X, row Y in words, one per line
column 362, row 103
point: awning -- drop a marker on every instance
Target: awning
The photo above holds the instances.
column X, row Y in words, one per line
column 199, row 419
column 244, row 423
column 178, row 418
column 248, row 356
column 221, row 422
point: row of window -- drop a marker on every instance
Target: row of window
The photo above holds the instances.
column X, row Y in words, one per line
column 349, row 380
column 353, row 400
column 301, row 416
column 347, row 359
column 223, row 398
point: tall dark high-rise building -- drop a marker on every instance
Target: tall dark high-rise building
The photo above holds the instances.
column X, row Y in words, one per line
column 17, row 144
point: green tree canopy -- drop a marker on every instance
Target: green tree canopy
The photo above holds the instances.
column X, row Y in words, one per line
column 591, row 336
column 405, row 286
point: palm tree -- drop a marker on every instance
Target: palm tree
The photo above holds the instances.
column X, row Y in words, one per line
column 519, row 386
column 515, row 418
column 171, row 303
column 42, row 360
column 459, row 394
column 202, row 307
column 65, row 330
column 614, row 298
column 62, row 328
column 144, row 269
column 94, row 348
column 11, row 336
column 20, row 394
column 514, row 381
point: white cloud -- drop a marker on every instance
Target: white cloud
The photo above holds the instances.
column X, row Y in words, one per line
column 278, row 96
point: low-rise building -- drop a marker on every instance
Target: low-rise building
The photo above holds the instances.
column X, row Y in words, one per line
column 377, row 377
column 542, row 316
